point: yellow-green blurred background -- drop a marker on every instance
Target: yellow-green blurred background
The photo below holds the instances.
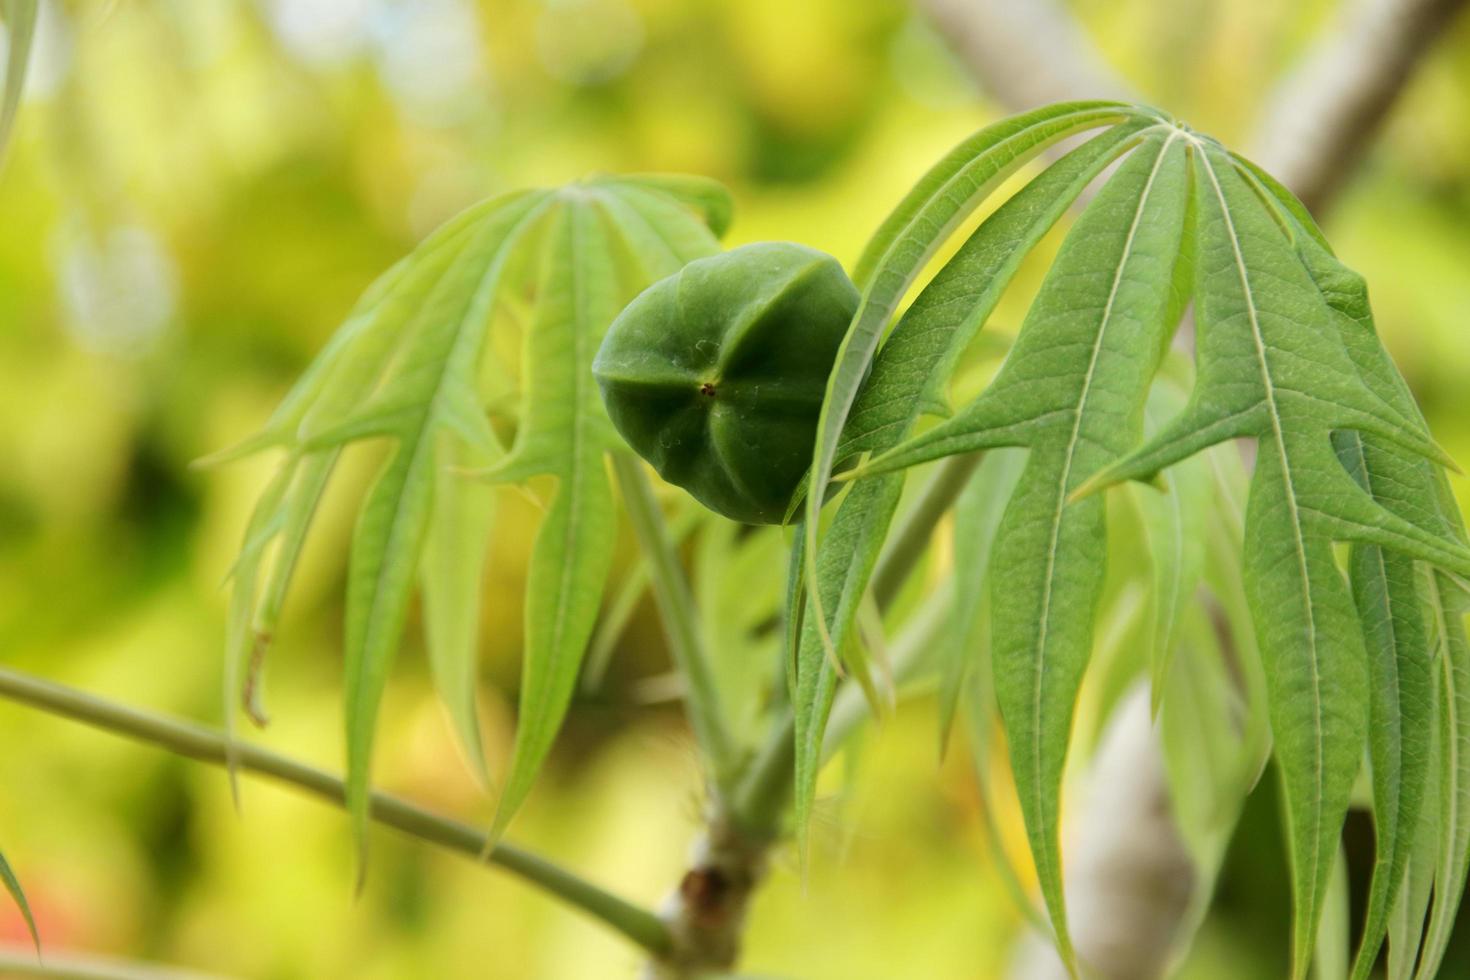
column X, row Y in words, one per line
column 197, row 192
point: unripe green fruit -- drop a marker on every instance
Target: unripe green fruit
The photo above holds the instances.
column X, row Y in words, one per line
column 716, row 374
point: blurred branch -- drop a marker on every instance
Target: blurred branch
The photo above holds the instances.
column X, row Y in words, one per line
column 79, row 966
column 1325, row 112
column 911, row 539
column 1129, row 875
column 1025, row 54
column 206, row 745
column 19, row 17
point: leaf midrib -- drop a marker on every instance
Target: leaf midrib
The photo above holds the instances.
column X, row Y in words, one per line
column 823, row 463
column 1267, row 383
column 1445, row 867
column 414, row 438
column 1079, row 413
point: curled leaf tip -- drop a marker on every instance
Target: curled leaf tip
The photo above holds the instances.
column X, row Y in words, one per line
column 253, row 693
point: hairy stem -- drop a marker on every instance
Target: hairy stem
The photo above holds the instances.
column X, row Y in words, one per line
column 198, row 742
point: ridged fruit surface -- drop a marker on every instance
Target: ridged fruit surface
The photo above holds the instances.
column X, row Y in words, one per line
column 716, row 374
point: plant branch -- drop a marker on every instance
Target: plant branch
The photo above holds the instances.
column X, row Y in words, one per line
column 766, row 787
column 81, row 966
column 707, row 912
column 907, row 544
column 1325, row 112
column 206, row 745
column 676, row 609
column 1025, row 54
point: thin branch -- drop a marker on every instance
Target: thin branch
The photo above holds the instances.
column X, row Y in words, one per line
column 1325, row 112
column 911, row 539
column 16, row 962
column 1025, row 54
column 676, row 609
column 198, row 742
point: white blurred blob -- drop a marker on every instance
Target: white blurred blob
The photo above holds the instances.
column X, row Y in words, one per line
column 118, row 287
column 588, row 42
column 322, row 32
column 430, row 57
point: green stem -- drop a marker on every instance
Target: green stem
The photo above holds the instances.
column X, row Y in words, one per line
column 765, row 789
column 763, row 794
column 198, row 742
column 676, row 608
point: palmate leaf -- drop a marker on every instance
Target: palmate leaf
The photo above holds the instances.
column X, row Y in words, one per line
column 1286, row 355
column 1385, row 584
column 908, row 375
column 561, row 436
column 1394, row 602
column 607, row 244
column 942, row 199
column 406, row 369
column 18, row 895
column 1072, row 391
column 1275, row 362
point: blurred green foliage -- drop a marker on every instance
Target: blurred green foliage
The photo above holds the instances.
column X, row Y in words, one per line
column 198, row 191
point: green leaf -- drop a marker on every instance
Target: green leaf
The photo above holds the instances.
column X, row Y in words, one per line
column 918, row 356
column 740, row 603
column 562, row 435
column 1406, row 918
column 910, row 236
column 413, row 349
column 565, row 433
column 19, row 17
column 406, row 368
column 451, row 579
column 18, row 895
column 1072, row 391
column 430, row 392
column 1332, row 938
column 619, row 611
column 1401, row 688
column 1385, row 584
column 1176, row 548
column 977, row 517
column 1449, row 606
column 1274, row 363
column 849, row 551
column 709, row 200
column 965, row 667
column 980, row 713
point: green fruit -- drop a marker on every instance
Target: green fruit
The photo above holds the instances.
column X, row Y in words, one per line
column 716, row 374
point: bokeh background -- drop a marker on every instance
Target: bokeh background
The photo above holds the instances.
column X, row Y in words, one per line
column 197, row 192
